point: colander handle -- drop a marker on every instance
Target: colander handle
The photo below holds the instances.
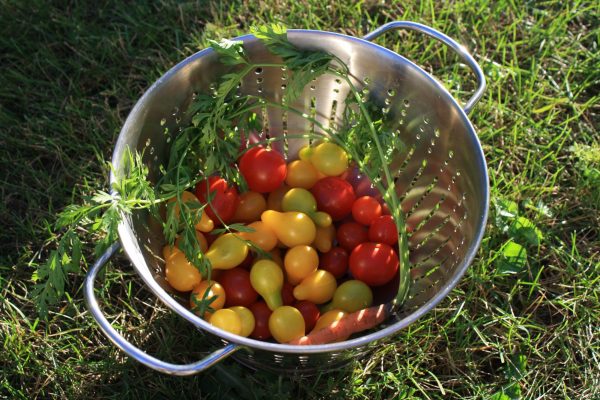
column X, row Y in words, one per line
column 130, row 349
column 458, row 48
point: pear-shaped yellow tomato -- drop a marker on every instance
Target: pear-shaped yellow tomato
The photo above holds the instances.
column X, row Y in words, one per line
column 301, row 174
column 266, row 277
column 300, row 261
column 330, row 159
column 181, row 274
column 252, row 204
column 201, row 241
column 351, row 296
column 275, row 197
column 227, row 252
column 299, row 199
column 203, row 222
column 247, row 319
column 329, row 318
column 291, row 228
column 262, row 237
column 228, row 320
column 286, row 324
column 317, row 287
column 208, row 290
column 324, row 238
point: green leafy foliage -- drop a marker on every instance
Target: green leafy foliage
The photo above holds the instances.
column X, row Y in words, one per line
column 588, row 167
column 50, row 278
column 304, row 65
column 231, row 52
column 100, row 213
column 512, row 256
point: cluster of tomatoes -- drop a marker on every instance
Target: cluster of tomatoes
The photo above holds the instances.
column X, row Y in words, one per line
column 320, row 240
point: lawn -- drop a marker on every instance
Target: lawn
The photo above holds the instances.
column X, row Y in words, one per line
column 515, row 327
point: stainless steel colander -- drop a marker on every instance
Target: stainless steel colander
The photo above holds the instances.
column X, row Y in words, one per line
column 440, row 174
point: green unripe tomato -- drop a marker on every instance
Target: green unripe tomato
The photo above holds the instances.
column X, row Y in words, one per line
column 299, row 199
column 351, row 296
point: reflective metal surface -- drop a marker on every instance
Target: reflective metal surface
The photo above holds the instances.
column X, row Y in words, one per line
column 440, row 174
column 458, row 48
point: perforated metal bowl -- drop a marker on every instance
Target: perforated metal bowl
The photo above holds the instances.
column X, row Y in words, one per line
column 440, row 176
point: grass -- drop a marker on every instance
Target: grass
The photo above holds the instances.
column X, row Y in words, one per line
column 522, row 323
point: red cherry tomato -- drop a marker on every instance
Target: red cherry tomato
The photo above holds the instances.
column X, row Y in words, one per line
column 350, row 234
column 261, row 312
column 385, row 210
column 360, row 182
column 263, row 169
column 335, row 261
column 247, row 138
column 310, row 313
column 238, row 289
column 373, row 263
column 334, row 196
column 383, row 230
column 287, row 294
column 224, row 201
column 365, row 209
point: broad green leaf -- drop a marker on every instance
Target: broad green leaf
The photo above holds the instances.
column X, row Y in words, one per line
column 525, row 231
column 512, row 259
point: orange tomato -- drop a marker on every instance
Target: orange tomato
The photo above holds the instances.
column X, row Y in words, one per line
column 181, row 274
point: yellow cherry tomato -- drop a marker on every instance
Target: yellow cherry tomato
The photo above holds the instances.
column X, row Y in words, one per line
column 228, row 320
column 306, row 153
column 247, row 319
column 317, row 287
column 227, row 252
column 301, row 174
column 291, row 228
column 251, row 205
column 200, row 292
column 275, row 197
column 286, row 324
column 324, row 238
column 330, row 159
column 266, row 277
column 300, row 261
column 328, row 318
column 201, row 241
column 181, row 274
column 262, row 237
column 203, row 221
